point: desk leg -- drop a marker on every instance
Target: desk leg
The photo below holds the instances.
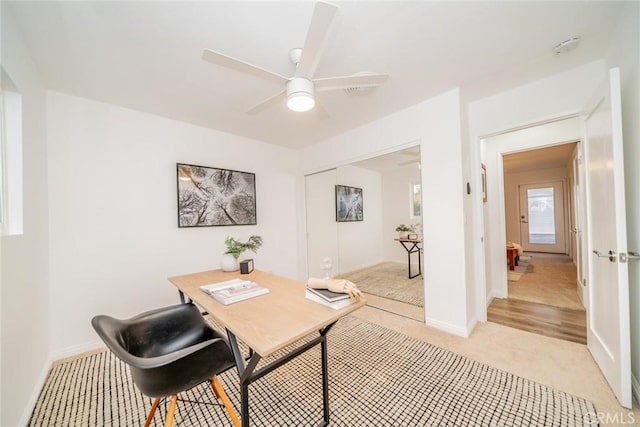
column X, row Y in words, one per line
column 248, row 373
column 245, row 372
column 413, row 250
column 325, row 382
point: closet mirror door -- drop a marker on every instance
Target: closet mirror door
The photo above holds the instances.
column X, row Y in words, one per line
column 382, row 193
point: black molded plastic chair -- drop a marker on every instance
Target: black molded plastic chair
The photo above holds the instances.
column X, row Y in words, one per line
column 169, row 350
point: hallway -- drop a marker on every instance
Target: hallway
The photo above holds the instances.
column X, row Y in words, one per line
column 544, row 300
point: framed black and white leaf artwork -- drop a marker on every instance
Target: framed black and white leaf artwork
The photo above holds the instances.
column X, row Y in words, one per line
column 215, row 197
column 349, row 205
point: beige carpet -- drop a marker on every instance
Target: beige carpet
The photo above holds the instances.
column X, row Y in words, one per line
column 389, row 280
column 548, row 279
column 377, row 377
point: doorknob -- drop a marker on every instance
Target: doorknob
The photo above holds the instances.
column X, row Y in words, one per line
column 611, row 255
column 524, row 221
column 630, row 255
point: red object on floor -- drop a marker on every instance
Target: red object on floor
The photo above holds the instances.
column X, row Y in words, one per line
column 512, row 253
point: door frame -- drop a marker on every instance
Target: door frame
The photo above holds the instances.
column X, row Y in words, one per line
column 494, row 257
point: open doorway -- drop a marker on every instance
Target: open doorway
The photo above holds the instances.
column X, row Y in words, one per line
column 542, row 291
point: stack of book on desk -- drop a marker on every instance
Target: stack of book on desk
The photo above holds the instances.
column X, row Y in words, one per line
column 235, row 290
column 330, row 299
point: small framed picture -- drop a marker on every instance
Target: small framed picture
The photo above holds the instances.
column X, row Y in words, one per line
column 484, row 183
column 348, row 204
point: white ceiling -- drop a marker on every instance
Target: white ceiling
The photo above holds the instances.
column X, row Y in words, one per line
column 541, row 158
column 147, row 55
column 407, row 158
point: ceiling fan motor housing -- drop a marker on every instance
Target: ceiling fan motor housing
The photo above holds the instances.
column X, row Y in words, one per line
column 300, row 94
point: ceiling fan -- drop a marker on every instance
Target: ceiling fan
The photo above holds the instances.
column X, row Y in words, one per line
column 300, row 89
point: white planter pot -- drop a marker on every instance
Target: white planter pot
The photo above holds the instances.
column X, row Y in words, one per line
column 229, row 263
column 403, row 234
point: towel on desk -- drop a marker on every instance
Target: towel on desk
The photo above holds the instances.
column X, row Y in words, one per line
column 341, row 286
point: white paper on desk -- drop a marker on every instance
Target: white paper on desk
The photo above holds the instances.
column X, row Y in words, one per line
column 222, row 285
column 235, row 290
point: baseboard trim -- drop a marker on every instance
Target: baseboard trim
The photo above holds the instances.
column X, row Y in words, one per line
column 635, row 388
column 75, row 350
column 35, row 393
column 447, row 327
column 44, row 373
column 495, row 294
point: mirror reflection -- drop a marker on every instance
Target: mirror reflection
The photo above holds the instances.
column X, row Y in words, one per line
column 364, row 224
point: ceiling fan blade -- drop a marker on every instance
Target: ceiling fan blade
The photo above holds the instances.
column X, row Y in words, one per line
column 320, row 111
column 323, row 15
column 267, row 103
column 333, row 83
column 235, row 64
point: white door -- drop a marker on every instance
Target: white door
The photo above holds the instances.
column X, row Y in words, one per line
column 608, row 328
column 322, row 228
column 542, row 217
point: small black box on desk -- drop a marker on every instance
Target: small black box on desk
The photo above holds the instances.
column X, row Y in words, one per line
column 246, row 266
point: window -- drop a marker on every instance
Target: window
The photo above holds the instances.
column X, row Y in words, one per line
column 416, row 201
column 542, row 229
column 11, row 217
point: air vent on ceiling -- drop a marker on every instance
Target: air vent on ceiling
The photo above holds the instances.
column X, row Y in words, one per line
column 360, row 90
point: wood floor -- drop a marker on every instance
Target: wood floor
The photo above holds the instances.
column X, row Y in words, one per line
column 542, row 319
column 544, row 301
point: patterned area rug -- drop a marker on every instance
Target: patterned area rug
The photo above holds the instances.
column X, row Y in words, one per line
column 523, row 266
column 378, row 377
column 389, row 280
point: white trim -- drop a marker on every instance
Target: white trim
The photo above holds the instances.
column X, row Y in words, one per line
column 76, row 349
column 463, row 332
column 35, row 393
column 345, row 162
column 495, row 294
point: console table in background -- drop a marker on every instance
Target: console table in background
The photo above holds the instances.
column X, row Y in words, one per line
column 412, row 246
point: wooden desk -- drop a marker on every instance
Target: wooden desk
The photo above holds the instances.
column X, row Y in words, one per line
column 412, row 246
column 267, row 324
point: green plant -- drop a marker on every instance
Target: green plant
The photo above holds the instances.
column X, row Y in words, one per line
column 402, row 227
column 235, row 247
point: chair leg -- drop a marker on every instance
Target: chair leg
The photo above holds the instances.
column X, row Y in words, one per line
column 220, row 394
column 152, row 411
column 171, row 411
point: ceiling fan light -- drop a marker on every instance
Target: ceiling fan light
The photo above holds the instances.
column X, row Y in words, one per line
column 300, row 94
column 300, row 102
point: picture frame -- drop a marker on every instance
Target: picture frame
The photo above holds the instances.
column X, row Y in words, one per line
column 349, row 204
column 484, row 182
column 209, row 196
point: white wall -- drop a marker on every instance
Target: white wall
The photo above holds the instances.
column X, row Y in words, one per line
column 24, row 316
column 112, row 196
column 396, row 209
column 434, row 125
column 625, row 53
column 360, row 242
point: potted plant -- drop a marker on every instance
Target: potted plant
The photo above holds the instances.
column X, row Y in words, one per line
column 404, row 230
column 235, row 248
